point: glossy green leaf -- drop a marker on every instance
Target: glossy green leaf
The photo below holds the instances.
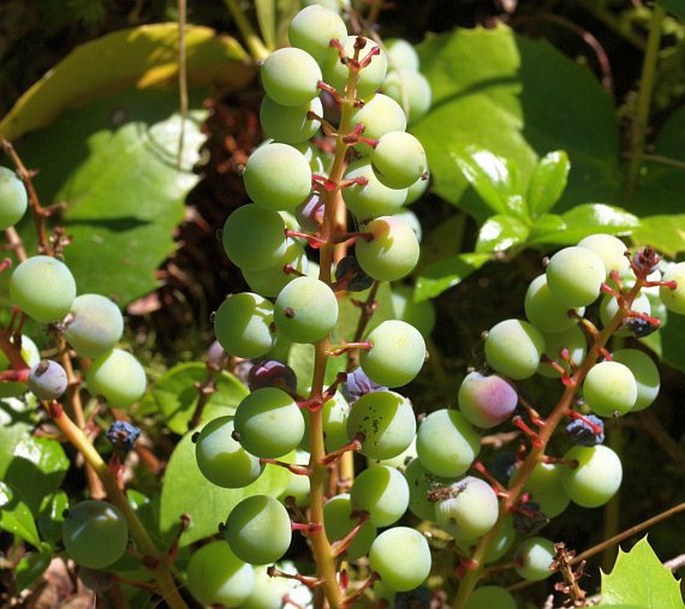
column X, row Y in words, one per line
column 37, row 469
column 585, row 220
column 15, row 424
column 186, row 491
column 496, row 180
column 30, row 568
column 519, row 98
column 176, row 396
column 548, row 182
column 501, row 233
column 435, row 279
column 116, row 170
column 639, row 578
column 51, row 516
column 16, row 517
column 140, row 57
column 546, row 225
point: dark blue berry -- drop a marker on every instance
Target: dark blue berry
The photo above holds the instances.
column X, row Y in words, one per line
column 528, row 518
column 587, row 431
column 123, row 435
column 349, row 273
column 419, row 598
column 640, row 327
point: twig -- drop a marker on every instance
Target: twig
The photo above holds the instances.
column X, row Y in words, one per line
column 647, row 79
column 182, row 79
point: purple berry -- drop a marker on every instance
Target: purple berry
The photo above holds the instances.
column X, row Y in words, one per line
column 47, row 380
column 309, row 215
column 272, row 373
column 216, row 354
column 357, row 385
column 486, row 401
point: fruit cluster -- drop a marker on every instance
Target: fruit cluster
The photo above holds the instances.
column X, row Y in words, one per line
column 88, row 326
column 327, row 223
column 338, row 152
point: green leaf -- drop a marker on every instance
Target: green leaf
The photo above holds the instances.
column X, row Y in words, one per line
column 141, row 57
column 15, row 425
column 30, row 568
column 519, row 98
column 266, row 16
column 37, row 469
column 669, row 342
column 548, row 182
column 662, row 189
column 666, row 233
column 176, row 397
column 186, row 491
column 496, row 180
column 501, row 233
column 545, row 226
column 675, row 7
column 584, row 220
column 444, row 241
column 51, row 517
column 116, row 170
column 435, row 279
column 348, row 317
column 16, row 517
column 638, row 578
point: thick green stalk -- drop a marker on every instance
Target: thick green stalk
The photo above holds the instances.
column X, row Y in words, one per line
column 644, row 100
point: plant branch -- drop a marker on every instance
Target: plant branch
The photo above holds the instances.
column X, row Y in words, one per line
column 182, row 78
column 646, row 89
column 537, row 450
column 166, row 586
column 252, row 40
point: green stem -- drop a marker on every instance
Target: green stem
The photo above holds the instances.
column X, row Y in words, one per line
column 252, row 40
column 612, row 21
column 646, row 89
column 612, row 510
column 517, row 485
column 326, row 563
column 166, row 586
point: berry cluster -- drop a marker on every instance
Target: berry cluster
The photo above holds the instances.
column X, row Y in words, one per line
column 88, row 326
column 325, row 225
column 338, row 154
